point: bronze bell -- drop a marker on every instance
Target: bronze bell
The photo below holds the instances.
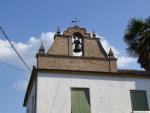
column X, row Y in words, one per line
column 77, row 47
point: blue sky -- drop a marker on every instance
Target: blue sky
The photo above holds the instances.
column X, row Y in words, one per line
column 28, row 21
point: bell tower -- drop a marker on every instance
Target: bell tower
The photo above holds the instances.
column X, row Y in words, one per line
column 76, row 49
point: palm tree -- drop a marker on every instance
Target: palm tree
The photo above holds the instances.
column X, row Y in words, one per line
column 137, row 37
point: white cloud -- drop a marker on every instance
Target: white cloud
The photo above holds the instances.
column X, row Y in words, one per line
column 107, row 46
column 29, row 49
column 124, row 61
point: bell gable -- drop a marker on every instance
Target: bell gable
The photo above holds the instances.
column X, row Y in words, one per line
column 76, row 49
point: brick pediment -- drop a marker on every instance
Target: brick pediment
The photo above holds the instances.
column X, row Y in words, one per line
column 63, row 47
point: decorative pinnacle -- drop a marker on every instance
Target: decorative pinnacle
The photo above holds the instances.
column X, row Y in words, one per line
column 58, row 30
column 41, row 49
column 110, row 53
column 94, row 34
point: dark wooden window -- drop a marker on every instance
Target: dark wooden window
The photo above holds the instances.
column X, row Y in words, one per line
column 139, row 100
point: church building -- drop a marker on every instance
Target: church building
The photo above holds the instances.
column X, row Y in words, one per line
column 76, row 75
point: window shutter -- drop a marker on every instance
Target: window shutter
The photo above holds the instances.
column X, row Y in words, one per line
column 80, row 101
column 139, row 100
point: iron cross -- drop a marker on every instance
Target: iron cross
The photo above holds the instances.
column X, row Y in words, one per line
column 75, row 21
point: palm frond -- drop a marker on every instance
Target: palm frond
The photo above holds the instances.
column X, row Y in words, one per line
column 132, row 35
column 137, row 37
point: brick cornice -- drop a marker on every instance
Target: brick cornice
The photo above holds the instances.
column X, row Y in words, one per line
column 76, row 57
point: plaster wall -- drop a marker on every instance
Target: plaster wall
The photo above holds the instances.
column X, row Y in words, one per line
column 107, row 94
column 31, row 101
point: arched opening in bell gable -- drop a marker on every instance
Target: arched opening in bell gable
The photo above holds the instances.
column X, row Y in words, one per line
column 77, row 44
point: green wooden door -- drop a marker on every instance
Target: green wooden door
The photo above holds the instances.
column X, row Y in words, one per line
column 80, row 100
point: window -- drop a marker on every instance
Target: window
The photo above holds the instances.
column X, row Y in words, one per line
column 139, row 100
column 80, row 100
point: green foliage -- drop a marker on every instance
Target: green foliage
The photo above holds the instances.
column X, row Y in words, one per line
column 137, row 37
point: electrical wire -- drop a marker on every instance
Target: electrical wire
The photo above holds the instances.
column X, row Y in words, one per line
column 12, row 66
column 55, row 95
column 5, row 35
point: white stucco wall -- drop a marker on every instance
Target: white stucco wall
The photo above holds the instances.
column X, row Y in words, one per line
column 107, row 94
column 30, row 108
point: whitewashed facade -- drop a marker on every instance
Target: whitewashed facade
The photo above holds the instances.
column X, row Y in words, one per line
column 107, row 94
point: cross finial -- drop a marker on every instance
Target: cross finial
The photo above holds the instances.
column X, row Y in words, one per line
column 75, row 21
